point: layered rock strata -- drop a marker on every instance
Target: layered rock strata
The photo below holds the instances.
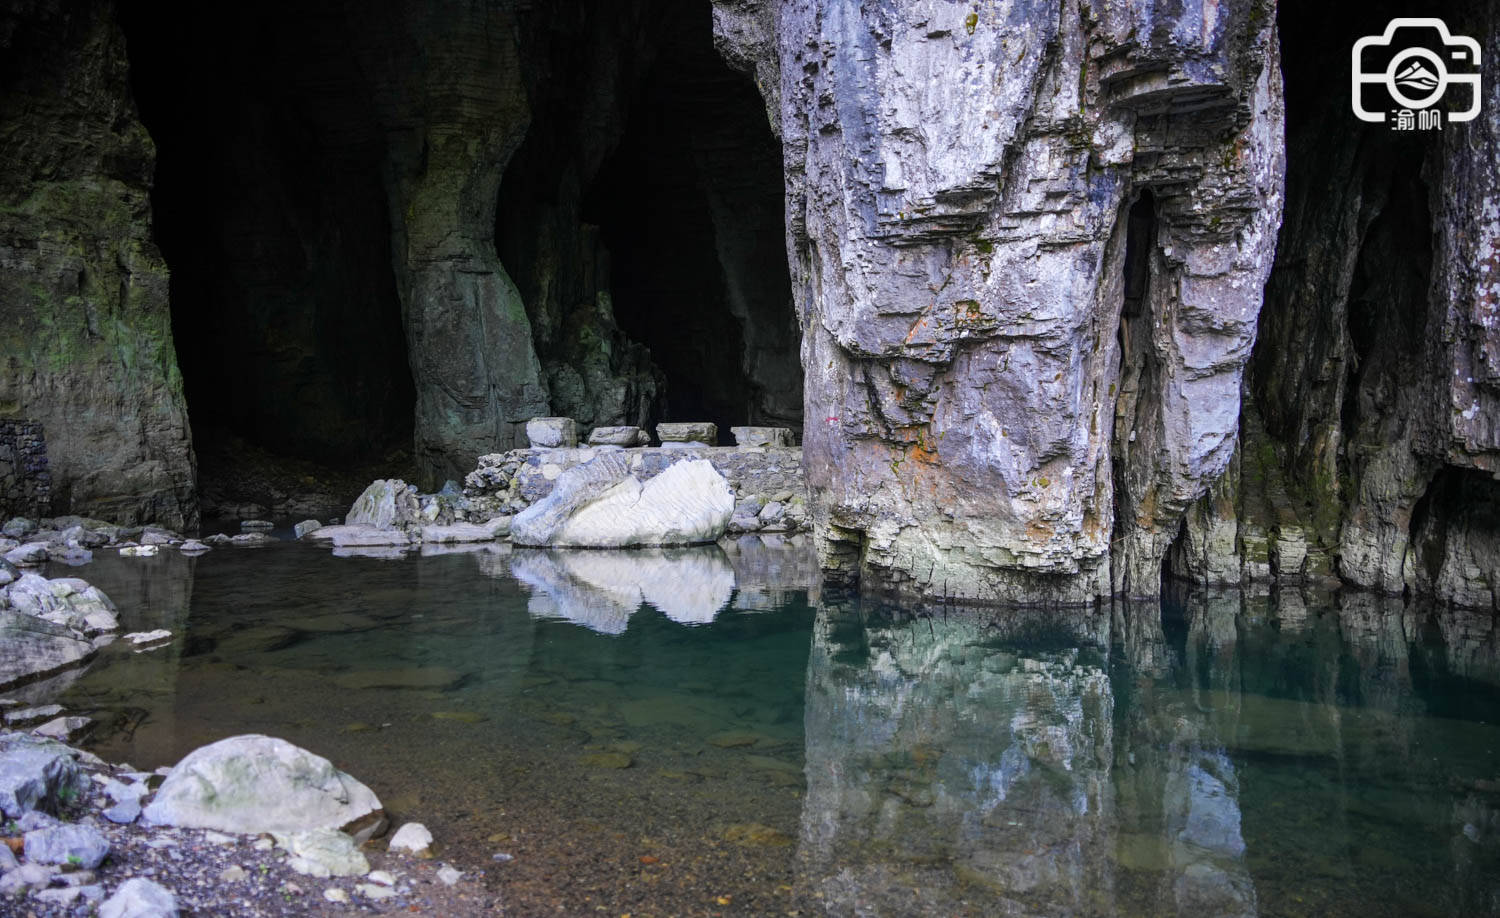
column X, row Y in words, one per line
column 1370, row 444
column 84, row 324
column 1028, row 245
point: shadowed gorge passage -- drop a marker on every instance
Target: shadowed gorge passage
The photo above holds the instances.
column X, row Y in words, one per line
column 642, row 219
column 270, row 211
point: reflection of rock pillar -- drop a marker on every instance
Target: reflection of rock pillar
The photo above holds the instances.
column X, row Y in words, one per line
column 1179, row 815
column 455, row 112
column 929, row 743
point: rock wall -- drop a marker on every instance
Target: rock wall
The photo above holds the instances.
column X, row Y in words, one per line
column 1020, row 374
column 84, row 330
column 1370, row 443
column 25, row 481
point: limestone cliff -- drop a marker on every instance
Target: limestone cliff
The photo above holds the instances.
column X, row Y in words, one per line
column 1370, row 444
column 85, row 333
column 1028, row 242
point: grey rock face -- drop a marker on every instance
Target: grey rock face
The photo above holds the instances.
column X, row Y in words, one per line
column 306, row 526
column 552, row 433
column 385, row 504
column 959, row 198
column 79, row 169
column 688, row 432
column 37, row 774
column 64, row 601
column 32, row 647
column 762, row 436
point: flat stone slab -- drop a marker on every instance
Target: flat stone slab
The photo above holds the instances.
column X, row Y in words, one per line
column 688, row 432
column 618, row 436
column 359, row 536
column 762, row 436
column 552, row 433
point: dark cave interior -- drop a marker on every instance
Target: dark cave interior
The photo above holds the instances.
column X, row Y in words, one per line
column 641, row 219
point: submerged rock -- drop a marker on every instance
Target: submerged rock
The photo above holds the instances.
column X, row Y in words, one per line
column 359, row 536
column 251, row 784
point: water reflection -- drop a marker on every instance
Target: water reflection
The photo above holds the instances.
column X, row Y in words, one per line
column 1288, row 753
column 602, row 589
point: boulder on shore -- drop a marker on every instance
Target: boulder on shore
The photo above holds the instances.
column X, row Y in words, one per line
column 252, row 784
column 600, row 504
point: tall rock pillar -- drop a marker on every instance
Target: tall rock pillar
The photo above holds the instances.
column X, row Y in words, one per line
column 1028, row 242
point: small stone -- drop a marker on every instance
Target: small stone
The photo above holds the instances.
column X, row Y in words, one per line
column 383, row 877
column 263, row 844
column 139, row 638
column 371, row 891
column 323, row 853
column 618, row 436
column 306, row 526
column 552, row 433
column 71, row 845
column 64, row 728
column 65, row 896
column 762, row 436
column 27, row 876
column 140, row 898
column 219, row 838
column 193, row 547
column 412, row 838
column 137, row 551
column 29, row 554
column 28, row 716
column 252, row 538
column 334, row 894
column 448, row 875
column 124, row 813
column 8, row 860
column 688, row 432
column 256, row 525
column 233, row 874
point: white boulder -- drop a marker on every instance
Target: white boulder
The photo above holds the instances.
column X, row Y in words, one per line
column 252, row 784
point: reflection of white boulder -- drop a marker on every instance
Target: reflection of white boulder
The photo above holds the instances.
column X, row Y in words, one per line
column 601, row 589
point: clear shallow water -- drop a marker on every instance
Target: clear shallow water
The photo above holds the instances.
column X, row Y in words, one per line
column 654, row 732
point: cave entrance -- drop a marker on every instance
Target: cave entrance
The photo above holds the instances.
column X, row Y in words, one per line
column 681, row 211
column 270, row 211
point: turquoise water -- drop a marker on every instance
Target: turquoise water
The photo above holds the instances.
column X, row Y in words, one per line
column 700, row 732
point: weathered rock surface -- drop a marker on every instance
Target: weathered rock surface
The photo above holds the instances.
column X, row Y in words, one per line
column 84, row 322
column 77, row 845
column 385, row 504
column 34, row 647
column 252, row 784
column 602, row 505
column 762, row 436
column 139, row 897
column 37, row 774
column 688, row 432
column 1369, row 444
column 618, row 436
column 65, row 601
column 552, row 433
column 965, row 188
